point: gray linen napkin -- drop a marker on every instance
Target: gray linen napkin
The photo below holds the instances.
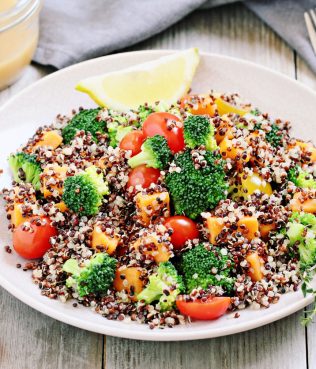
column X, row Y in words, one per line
column 76, row 30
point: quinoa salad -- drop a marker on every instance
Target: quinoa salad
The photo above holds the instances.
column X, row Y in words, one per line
column 165, row 214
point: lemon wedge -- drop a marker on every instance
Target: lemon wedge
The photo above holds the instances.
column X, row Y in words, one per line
column 166, row 79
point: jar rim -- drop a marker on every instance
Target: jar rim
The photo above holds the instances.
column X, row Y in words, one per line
column 18, row 13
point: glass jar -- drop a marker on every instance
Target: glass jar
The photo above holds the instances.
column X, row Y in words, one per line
column 19, row 29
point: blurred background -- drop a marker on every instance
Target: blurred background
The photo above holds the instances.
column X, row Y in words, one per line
column 59, row 33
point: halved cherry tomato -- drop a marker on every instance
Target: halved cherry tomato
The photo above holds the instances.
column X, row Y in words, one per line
column 143, row 176
column 184, row 229
column 159, row 124
column 32, row 242
column 133, row 141
column 211, row 309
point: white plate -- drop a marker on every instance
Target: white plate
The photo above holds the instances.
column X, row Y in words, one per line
column 39, row 104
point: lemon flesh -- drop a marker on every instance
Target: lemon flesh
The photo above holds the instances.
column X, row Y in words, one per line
column 166, row 79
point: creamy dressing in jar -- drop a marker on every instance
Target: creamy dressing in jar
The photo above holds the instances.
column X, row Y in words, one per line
column 19, row 29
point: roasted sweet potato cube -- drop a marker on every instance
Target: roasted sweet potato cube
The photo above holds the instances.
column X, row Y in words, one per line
column 50, row 139
column 160, row 251
column 52, row 179
column 214, row 226
column 256, row 263
column 151, row 207
column 265, row 229
column 230, row 151
column 108, row 242
column 298, row 203
column 249, row 227
column 129, row 280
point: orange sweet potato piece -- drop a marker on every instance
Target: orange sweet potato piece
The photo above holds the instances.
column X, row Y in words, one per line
column 16, row 213
column 99, row 238
column 256, row 263
column 199, row 104
column 224, row 127
column 129, row 279
column 228, row 150
column 158, row 250
column 307, row 146
column 249, row 227
column 61, row 206
column 60, row 174
column 296, row 204
column 265, row 229
column 214, row 226
column 50, row 138
column 152, row 205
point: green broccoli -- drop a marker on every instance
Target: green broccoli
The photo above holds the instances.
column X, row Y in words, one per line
column 274, row 136
column 301, row 178
column 255, row 112
column 164, row 286
column 117, row 128
column 203, row 267
column 196, row 190
column 301, row 231
column 143, row 111
column 25, row 168
column 96, row 277
column 155, row 153
column 86, row 120
column 83, row 192
column 198, row 131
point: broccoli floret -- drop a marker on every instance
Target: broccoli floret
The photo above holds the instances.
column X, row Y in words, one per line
column 274, row 137
column 301, row 178
column 117, row 128
column 307, row 251
column 155, row 153
column 163, row 286
column 307, row 219
column 196, row 190
column 96, row 277
column 203, row 267
column 143, row 111
column 255, row 112
column 83, row 192
column 301, row 231
column 25, row 168
column 198, row 131
column 85, row 120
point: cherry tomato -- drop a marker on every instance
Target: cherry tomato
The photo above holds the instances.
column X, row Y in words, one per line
column 133, row 141
column 32, row 242
column 157, row 124
column 143, row 176
column 211, row 309
column 183, row 229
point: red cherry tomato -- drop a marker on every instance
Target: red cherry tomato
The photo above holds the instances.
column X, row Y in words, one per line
column 184, row 229
column 133, row 141
column 32, row 242
column 157, row 124
column 211, row 309
column 143, row 176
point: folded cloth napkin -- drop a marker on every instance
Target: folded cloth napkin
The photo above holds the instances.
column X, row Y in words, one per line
column 76, row 30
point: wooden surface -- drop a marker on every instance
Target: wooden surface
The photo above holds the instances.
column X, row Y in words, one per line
column 30, row 340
